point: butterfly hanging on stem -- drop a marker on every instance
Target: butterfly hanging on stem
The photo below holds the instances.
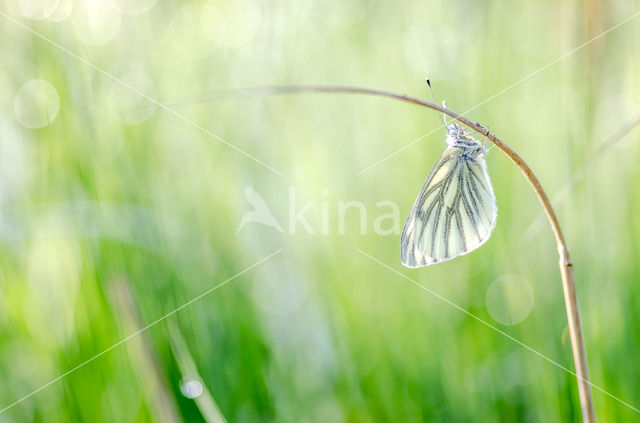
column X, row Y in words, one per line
column 455, row 211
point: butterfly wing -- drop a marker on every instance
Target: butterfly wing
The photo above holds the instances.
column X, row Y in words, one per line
column 454, row 213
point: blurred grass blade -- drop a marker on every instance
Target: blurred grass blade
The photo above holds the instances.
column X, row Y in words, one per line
column 192, row 385
column 143, row 356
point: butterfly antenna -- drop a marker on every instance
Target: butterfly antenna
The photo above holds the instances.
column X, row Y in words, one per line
column 444, row 104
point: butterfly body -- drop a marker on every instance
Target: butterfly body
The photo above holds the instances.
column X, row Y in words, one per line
column 455, row 211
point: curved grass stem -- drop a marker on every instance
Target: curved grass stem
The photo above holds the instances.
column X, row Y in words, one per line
column 566, row 266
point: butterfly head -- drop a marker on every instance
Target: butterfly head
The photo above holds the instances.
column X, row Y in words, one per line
column 458, row 138
column 454, row 130
column 456, row 133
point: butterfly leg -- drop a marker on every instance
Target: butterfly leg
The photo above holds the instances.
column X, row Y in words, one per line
column 485, row 142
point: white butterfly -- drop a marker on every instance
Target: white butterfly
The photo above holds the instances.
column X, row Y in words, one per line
column 456, row 209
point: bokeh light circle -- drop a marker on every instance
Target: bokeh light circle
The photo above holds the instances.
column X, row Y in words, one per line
column 96, row 22
column 36, row 104
column 186, row 35
column 62, row 12
column 509, row 299
column 37, row 9
column 231, row 23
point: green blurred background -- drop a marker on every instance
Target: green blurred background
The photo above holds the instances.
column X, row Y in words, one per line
column 114, row 215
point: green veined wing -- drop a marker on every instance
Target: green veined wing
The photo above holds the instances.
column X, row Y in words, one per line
column 454, row 213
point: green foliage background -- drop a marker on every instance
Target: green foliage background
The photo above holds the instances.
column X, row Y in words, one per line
column 113, row 216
